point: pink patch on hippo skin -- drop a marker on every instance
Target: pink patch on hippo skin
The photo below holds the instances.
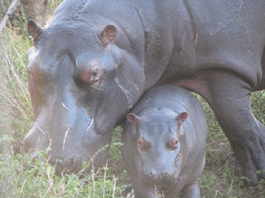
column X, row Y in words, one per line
column 142, row 143
column 34, row 89
column 181, row 118
column 132, row 118
column 174, row 142
column 197, row 85
column 108, row 34
column 34, row 30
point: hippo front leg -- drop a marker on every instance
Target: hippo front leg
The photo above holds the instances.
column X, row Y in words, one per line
column 228, row 95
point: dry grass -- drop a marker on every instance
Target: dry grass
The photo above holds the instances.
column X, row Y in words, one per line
column 15, row 106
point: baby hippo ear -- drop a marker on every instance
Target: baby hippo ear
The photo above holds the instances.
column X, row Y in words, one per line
column 181, row 118
column 34, row 30
column 132, row 118
column 108, row 34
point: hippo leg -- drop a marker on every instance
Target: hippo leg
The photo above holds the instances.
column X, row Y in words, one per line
column 228, row 95
column 192, row 190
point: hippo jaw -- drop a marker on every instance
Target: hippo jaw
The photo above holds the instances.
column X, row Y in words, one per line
column 80, row 91
column 69, row 151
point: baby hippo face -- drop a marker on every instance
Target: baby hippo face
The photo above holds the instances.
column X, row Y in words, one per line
column 159, row 141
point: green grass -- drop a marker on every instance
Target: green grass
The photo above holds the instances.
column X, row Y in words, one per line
column 219, row 179
column 21, row 178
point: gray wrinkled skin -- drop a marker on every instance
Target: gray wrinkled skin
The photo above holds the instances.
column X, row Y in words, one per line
column 158, row 165
column 95, row 59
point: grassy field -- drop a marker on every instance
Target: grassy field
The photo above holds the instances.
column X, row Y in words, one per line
column 20, row 178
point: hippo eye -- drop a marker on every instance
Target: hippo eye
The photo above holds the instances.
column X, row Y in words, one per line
column 174, row 142
column 142, row 143
column 95, row 73
column 89, row 76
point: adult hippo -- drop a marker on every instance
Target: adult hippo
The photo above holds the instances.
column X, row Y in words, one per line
column 96, row 58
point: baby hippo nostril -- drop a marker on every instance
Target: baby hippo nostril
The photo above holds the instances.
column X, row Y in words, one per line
column 151, row 174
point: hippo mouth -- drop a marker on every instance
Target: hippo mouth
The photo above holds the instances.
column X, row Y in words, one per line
column 160, row 182
column 78, row 164
column 71, row 164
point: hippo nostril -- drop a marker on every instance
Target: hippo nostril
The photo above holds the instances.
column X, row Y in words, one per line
column 73, row 164
column 35, row 157
column 151, row 174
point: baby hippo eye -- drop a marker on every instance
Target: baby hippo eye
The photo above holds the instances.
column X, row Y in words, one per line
column 142, row 143
column 174, row 142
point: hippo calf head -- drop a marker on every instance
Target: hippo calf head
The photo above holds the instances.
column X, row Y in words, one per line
column 157, row 145
column 83, row 79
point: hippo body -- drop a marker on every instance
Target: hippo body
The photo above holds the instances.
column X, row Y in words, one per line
column 95, row 59
column 164, row 143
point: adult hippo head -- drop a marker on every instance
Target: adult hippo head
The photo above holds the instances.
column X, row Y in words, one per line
column 97, row 57
column 82, row 78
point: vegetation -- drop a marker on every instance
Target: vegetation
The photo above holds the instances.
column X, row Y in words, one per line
column 21, row 178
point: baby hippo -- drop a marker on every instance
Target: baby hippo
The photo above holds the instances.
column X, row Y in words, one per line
column 164, row 144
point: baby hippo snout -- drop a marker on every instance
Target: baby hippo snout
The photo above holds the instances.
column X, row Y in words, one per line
column 159, row 178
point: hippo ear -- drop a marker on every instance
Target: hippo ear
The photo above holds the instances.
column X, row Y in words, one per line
column 181, row 118
column 132, row 118
column 34, row 30
column 108, row 34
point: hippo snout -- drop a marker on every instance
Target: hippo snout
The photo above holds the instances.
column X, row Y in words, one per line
column 160, row 178
column 71, row 163
column 36, row 139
